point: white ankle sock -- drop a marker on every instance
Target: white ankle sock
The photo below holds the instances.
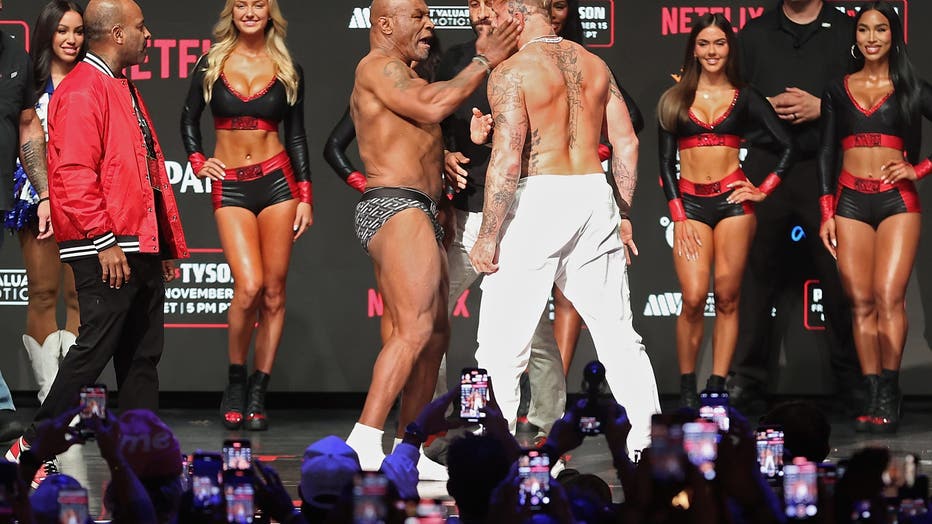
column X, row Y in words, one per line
column 367, row 442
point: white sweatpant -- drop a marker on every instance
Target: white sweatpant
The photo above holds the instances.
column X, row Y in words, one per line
column 545, row 366
column 564, row 230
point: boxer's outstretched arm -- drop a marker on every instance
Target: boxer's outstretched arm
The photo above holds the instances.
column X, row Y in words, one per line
column 624, row 146
column 406, row 94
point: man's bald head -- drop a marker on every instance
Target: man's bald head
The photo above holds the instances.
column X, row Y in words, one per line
column 381, row 8
column 100, row 17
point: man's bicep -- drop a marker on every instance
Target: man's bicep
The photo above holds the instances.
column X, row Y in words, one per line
column 509, row 112
column 394, row 86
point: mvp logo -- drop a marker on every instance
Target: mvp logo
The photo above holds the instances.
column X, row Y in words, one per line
column 670, row 304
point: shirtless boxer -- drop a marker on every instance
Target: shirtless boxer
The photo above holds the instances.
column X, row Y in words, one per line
column 549, row 102
column 397, row 117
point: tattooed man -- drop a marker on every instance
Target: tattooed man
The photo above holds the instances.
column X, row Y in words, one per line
column 397, row 117
column 21, row 135
column 550, row 216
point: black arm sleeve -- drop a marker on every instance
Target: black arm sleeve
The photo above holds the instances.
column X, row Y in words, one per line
column 296, row 136
column 761, row 112
column 193, row 108
column 667, row 146
column 637, row 119
column 335, row 148
column 925, row 103
column 828, row 145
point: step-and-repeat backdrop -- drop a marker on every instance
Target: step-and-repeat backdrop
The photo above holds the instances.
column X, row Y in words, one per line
column 332, row 329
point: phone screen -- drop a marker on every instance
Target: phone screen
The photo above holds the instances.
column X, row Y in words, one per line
column 238, row 491
column 700, row 439
column 369, row 491
column 94, row 401
column 666, row 450
column 72, row 506
column 714, row 407
column 237, row 455
column 205, row 480
column 770, row 451
column 534, row 470
column 800, row 491
column 474, row 393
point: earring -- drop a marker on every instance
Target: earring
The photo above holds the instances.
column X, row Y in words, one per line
column 854, row 56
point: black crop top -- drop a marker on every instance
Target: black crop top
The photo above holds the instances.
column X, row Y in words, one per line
column 749, row 110
column 844, row 124
column 270, row 105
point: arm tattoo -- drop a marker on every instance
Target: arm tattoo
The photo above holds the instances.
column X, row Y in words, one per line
column 532, row 154
column 567, row 61
column 398, row 72
column 32, row 156
column 626, row 180
column 511, row 127
column 613, row 86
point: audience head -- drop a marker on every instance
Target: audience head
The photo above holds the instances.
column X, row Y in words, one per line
column 806, row 430
column 328, row 467
column 153, row 453
column 44, row 500
column 476, row 466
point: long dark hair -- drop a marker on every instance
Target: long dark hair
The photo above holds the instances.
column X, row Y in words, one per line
column 902, row 73
column 40, row 49
column 572, row 28
column 674, row 105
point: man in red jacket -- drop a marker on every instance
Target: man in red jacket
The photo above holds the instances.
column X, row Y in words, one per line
column 114, row 216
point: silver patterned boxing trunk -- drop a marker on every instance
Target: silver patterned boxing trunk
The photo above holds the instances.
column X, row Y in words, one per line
column 379, row 204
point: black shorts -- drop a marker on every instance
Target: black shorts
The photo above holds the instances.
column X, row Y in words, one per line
column 708, row 203
column 256, row 187
column 871, row 201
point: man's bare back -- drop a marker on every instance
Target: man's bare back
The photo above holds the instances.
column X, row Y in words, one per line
column 564, row 90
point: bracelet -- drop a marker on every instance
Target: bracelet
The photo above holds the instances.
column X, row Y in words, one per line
column 484, row 62
column 43, row 199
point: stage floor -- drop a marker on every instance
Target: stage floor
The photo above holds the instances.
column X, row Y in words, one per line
column 292, row 430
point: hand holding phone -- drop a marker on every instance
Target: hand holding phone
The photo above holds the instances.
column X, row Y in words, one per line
column 770, row 452
column 72, row 506
column 666, row 450
column 93, row 405
column 239, row 494
column 205, row 481
column 714, row 407
column 474, row 393
column 700, row 440
column 237, row 455
column 534, row 474
column 800, row 490
column 369, row 492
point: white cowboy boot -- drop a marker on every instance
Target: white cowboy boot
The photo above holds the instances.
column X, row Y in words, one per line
column 67, row 340
column 44, row 360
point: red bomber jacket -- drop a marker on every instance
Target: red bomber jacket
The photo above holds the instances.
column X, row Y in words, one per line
column 99, row 185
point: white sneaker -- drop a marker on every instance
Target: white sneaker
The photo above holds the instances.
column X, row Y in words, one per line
column 558, row 466
column 429, row 470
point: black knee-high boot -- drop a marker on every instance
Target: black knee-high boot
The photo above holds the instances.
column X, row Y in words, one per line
column 256, row 419
column 234, row 398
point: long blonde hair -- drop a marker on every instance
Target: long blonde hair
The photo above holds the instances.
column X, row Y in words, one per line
column 226, row 36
